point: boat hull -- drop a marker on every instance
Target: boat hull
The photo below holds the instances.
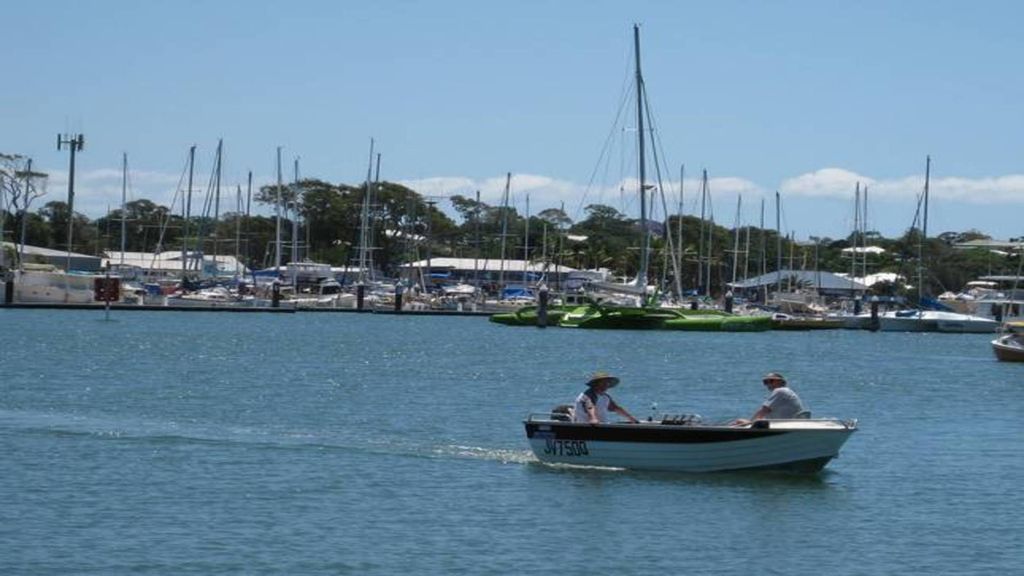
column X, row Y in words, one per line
column 931, row 321
column 719, row 323
column 1009, row 348
column 616, row 318
column 803, row 445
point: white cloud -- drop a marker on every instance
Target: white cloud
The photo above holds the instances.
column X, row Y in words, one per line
column 840, row 183
column 827, row 182
column 100, row 190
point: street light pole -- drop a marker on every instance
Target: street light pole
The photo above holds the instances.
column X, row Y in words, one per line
column 75, row 143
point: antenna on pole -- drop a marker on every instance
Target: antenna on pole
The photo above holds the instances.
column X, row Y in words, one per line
column 75, row 143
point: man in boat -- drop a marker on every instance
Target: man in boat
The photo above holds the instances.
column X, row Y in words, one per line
column 594, row 403
column 782, row 403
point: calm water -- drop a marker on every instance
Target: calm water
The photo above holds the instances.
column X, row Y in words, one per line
column 337, row 443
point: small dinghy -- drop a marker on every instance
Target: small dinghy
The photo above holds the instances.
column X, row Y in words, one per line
column 686, row 444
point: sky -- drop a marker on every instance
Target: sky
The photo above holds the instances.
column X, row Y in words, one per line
column 806, row 98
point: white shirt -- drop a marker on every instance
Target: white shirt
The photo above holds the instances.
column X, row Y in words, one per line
column 783, row 403
column 602, row 403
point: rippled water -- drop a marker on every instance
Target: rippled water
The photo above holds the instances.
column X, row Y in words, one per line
column 339, row 443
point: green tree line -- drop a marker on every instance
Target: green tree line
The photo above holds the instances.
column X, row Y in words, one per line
column 406, row 226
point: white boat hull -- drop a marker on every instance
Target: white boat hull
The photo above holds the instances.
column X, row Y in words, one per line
column 936, row 321
column 38, row 287
column 803, row 445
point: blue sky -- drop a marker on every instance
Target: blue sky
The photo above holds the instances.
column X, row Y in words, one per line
column 802, row 97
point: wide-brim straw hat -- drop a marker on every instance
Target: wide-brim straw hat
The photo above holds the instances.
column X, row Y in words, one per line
column 603, row 376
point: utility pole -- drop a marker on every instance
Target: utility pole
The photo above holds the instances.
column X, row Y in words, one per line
column 75, row 143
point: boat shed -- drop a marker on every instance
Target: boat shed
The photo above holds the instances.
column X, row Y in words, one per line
column 825, row 283
column 58, row 258
column 169, row 264
column 485, row 270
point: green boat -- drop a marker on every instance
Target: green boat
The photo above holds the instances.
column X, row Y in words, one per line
column 719, row 323
column 596, row 316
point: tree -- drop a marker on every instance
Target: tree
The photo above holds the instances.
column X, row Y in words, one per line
column 556, row 217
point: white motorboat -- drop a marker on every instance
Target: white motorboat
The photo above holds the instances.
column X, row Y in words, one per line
column 685, row 444
column 935, row 321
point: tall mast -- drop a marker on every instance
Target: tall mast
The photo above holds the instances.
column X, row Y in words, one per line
column 364, row 221
column 504, row 231
column 746, row 256
column 924, row 232
column 711, row 236
column 736, row 239
column 526, row 242
column 641, row 279
column 927, row 176
column 778, row 241
column 764, row 255
column 295, row 218
column 700, row 237
column 238, row 231
column 124, row 201
column 856, row 231
column 476, row 243
column 277, row 218
column 864, row 233
column 216, row 200
column 188, row 211
column 679, row 235
column 248, row 205
column 370, row 211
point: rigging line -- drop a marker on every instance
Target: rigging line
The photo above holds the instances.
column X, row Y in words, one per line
column 169, row 215
column 604, row 158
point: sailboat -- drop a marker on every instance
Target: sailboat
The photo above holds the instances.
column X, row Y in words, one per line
column 630, row 305
column 642, row 315
column 919, row 319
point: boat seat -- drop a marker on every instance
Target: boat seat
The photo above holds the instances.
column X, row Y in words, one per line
column 803, row 415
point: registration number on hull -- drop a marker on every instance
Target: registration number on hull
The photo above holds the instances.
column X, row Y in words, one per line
column 566, row 448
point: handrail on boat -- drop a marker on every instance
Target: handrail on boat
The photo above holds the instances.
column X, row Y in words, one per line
column 692, row 420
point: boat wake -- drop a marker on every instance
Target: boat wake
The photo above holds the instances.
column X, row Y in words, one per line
column 169, row 433
column 505, row 456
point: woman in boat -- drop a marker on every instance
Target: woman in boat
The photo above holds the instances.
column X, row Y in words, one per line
column 782, row 403
column 594, row 403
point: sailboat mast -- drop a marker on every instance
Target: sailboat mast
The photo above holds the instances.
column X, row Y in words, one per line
column 924, row 231
column 188, row 211
column 364, row 220
column 711, row 235
column 238, row 231
column 778, row 241
column 641, row 278
column 764, row 255
column 526, row 242
column 216, row 199
column 124, row 201
column 856, row 231
column 476, row 243
column 248, row 205
column 679, row 235
column 736, row 240
column 700, row 237
column 277, row 218
column 295, row 216
column 864, row 233
column 370, row 220
column 504, row 232
column 927, row 177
